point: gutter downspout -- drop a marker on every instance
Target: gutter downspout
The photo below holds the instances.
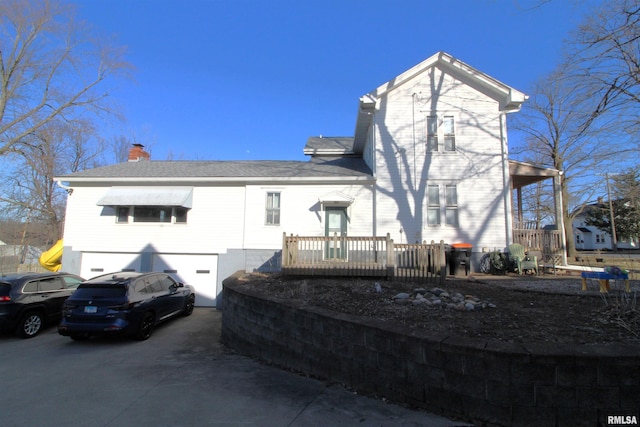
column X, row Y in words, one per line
column 506, row 180
column 374, row 171
column 66, row 188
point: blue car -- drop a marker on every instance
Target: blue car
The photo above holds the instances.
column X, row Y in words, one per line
column 125, row 303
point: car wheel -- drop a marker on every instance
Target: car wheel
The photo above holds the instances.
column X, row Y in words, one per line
column 188, row 306
column 146, row 326
column 30, row 324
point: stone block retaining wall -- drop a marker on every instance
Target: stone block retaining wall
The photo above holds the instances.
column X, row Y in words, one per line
column 490, row 383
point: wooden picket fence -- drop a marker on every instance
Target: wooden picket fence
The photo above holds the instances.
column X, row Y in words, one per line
column 367, row 256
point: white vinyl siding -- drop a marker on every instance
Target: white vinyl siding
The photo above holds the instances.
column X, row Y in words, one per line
column 403, row 161
column 302, row 213
column 209, row 229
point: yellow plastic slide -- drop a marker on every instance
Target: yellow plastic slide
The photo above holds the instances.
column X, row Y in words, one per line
column 52, row 259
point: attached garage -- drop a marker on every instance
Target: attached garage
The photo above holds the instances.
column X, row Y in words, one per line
column 98, row 263
column 197, row 270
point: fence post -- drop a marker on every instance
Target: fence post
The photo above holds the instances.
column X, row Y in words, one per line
column 390, row 257
column 443, row 262
column 285, row 250
column 293, row 250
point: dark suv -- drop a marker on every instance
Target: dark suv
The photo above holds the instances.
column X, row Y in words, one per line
column 30, row 300
column 125, row 303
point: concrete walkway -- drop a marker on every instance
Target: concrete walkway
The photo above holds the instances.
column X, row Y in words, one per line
column 181, row 376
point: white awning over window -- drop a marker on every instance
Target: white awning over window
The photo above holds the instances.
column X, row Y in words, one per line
column 147, row 196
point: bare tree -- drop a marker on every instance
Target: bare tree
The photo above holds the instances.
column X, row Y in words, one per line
column 560, row 132
column 121, row 144
column 51, row 67
column 57, row 148
column 604, row 59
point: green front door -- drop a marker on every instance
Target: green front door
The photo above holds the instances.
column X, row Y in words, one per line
column 336, row 225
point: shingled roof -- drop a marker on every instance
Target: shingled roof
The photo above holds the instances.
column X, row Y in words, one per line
column 321, row 168
column 329, row 146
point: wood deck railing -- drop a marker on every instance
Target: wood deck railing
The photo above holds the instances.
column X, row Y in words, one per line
column 548, row 242
column 363, row 256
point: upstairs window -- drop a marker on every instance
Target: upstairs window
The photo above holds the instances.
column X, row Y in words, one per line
column 272, row 211
column 440, row 128
column 432, row 133
column 449, row 134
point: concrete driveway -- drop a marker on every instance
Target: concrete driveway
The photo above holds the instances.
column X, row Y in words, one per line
column 181, row 376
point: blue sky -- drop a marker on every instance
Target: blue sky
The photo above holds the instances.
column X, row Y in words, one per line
column 253, row 79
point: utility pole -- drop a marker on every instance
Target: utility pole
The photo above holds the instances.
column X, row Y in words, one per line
column 614, row 242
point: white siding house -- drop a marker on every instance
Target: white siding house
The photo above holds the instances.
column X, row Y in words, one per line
column 591, row 238
column 428, row 161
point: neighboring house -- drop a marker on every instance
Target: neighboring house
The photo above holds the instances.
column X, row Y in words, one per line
column 591, row 238
column 428, row 161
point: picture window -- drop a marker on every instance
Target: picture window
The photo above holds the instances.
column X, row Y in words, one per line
column 154, row 214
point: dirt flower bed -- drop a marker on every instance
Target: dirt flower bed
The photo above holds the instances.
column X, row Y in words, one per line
column 528, row 309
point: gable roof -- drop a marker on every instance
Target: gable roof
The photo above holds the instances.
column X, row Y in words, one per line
column 317, row 169
column 508, row 98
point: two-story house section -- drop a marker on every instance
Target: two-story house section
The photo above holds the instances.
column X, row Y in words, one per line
column 435, row 138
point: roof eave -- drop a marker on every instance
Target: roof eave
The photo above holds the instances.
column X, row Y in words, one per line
column 510, row 99
column 215, row 180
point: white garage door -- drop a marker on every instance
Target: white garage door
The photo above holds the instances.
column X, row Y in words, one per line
column 96, row 264
column 199, row 271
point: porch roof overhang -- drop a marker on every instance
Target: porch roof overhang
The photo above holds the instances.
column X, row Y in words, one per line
column 335, row 198
column 147, row 196
column 523, row 174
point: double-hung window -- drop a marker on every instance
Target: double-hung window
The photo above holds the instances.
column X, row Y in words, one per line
column 272, row 211
column 451, row 207
column 435, row 205
column 122, row 214
column 449, row 134
column 440, row 128
column 432, row 133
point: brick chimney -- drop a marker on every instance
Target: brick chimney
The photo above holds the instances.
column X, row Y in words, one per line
column 137, row 153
